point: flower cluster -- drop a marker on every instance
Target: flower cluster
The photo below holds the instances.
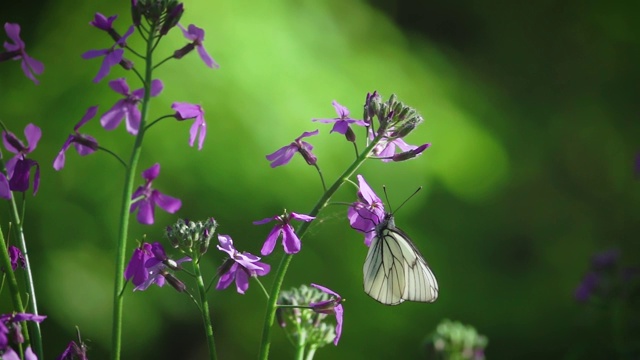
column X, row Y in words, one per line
column 454, row 340
column 11, row 335
column 150, row 265
column 299, row 323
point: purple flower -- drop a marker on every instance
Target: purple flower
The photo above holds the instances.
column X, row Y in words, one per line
column 283, row 155
column 136, row 271
column 239, row 267
column 74, row 352
column 386, row 149
column 605, row 260
column 10, row 329
column 84, row 144
column 411, row 153
column 19, row 167
column 145, row 198
column 196, row 36
column 587, row 287
column 367, row 212
column 149, row 265
column 16, row 257
column 30, row 66
column 290, row 240
column 331, row 306
column 186, row 111
column 102, row 22
column 342, row 122
column 127, row 108
column 112, row 55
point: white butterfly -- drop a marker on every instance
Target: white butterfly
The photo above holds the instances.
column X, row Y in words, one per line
column 394, row 270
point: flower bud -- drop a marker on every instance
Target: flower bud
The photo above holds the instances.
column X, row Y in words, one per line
column 174, row 13
column 186, row 235
column 410, row 154
column 178, row 54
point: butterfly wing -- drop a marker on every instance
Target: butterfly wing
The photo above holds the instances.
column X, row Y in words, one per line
column 395, row 271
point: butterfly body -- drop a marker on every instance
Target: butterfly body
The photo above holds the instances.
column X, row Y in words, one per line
column 394, row 270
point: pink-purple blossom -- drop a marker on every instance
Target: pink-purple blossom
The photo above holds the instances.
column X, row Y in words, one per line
column 290, row 240
column 367, row 212
column 386, row 149
column 146, row 199
column 343, row 121
column 113, row 55
column 11, row 331
column 84, row 144
column 283, row 155
column 19, row 166
column 149, row 265
column 16, row 51
column 196, row 36
column 186, row 111
column 331, row 306
column 127, row 108
column 239, row 267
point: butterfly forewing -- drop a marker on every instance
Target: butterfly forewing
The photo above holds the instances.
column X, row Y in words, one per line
column 395, row 270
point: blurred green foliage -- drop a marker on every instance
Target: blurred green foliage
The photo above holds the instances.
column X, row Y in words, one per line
column 531, row 110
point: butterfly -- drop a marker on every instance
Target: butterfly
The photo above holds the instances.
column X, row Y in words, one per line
column 394, row 270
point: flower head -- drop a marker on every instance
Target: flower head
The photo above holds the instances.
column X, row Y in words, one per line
column 386, row 148
column 16, row 50
column 342, row 122
column 127, row 108
column 84, row 144
column 367, row 212
column 11, row 332
column 19, row 167
column 189, row 111
column 239, row 267
column 113, row 55
column 331, row 306
column 283, row 155
column 150, row 264
column 196, row 36
column 16, row 257
column 290, row 240
column 188, row 235
column 146, row 199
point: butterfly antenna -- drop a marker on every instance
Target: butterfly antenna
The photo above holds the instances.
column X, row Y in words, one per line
column 404, row 202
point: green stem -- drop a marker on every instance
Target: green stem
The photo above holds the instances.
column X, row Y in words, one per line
column 286, row 259
column 302, row 338
column 32, row 306
column 5, row 263
column 206, row 315
column 116, row 331
column 311, row 353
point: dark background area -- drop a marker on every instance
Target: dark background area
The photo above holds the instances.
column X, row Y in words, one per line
column 532, row 109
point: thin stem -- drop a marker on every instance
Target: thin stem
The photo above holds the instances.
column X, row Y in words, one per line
column 5, row 263
column 324, row 186
column 163, row 61
column 158, row 119
column 311, row 353
column 300, row 346
column 32, row 306
column 116, row 331
column 114, row 155
column 286, row 259
column 266, row 293
column 206, row 316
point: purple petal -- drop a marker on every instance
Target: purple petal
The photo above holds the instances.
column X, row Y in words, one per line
column 270, row 243
column 91, row 112
column 301, row 217
column 33, row 134
column 133, row 116
column 290, row 240
column 326, row 290
column 226, row 244
column 156, row 87
column 242, row 280
column 112, row 118
column 266, row 220
column 151, row 173
column 282, row 156
column 58, row 163
column 265, row 269
column 145, row 212
column 198, row 126
column 340, row 127
column 339, row 311
column 227, row 278
column 120, row 86
column 342, row 111
column 94, row 53
column 31, row 67
column 307, row 134
column 167, row 203
column 102, row 22
column 5, row 192
column 208, row 60
column 13, row 32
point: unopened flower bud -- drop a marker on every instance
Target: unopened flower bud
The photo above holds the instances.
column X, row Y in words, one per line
column 410, row 154
column 178, row 54
column 174, row 13
column 308, row 156
column 126, row 64
column 174, row 282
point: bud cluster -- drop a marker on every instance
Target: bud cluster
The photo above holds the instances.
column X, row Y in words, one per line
column 454, row 340
column 396, row 119
column 301, row 323
column 187, row 235
column 164, row 14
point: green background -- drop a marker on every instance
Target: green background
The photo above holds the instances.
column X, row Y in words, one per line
column 531, row 110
